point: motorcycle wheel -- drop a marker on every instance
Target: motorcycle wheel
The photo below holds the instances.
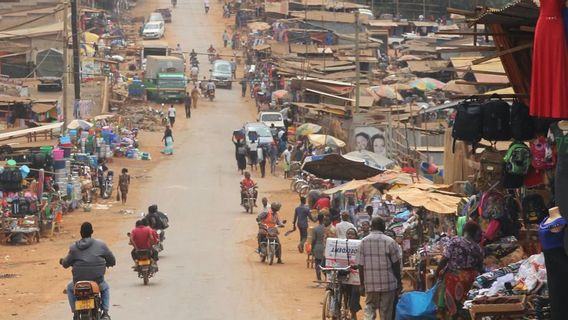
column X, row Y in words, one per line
column 262, row 256
column 211, row 98
column 326, row 311
column 270, row 250
column 304, row 190
column 85, row 316
column 251, row 205
column 146, row 277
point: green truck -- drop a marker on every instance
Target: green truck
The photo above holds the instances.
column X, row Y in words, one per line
column 164, row 78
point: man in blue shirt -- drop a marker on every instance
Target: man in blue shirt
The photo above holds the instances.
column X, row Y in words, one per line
column 301, row 216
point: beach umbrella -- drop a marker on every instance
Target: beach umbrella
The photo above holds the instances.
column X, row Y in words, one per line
column 77, row 123
column 307, row 129
column 338, row 167
column 384, row 91
column 426, row 84
column 454, row 87
column 326, row 140
column 371, row 159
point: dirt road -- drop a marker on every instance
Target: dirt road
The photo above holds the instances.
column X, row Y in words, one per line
column 209, row 269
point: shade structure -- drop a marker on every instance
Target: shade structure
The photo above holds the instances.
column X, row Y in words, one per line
column 337, row 167
column 426, row 84
column 385, row 91
column 371, row 159
column 77, row 123
column 455, row 87
column 432, row 200
column 326, row 140
column 306, row 129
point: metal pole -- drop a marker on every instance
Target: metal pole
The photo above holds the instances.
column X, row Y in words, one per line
column 65, row 78
column 76, row 61
column 357, row 65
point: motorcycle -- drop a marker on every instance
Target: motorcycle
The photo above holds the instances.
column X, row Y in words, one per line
column 159, row 247
column 212, row 56
column 249, row 198
column 88, row 301
column 269, row 245
column 211, row 94
column 107, row 185
column 145, row 266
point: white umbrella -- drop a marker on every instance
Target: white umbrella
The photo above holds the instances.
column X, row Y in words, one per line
column 77, row 123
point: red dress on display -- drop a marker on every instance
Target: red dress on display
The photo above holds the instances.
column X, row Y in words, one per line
column 549, row 82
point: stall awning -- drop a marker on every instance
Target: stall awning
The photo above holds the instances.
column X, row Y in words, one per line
column 42, row 107
column 430, row 199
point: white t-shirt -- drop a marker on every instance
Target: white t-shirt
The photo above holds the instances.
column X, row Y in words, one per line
column 260, row 154
column 342, row 227
column 287, row 155
column 253, row 146
column 206, row 2
column 172, row 112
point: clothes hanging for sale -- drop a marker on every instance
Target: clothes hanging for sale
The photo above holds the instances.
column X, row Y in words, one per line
column 549, row 97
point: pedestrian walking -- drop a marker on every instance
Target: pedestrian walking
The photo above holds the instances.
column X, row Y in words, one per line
column 234, row 69
column 206, row 5
column 167, row 133
column 253, row 154
column 123, row 184
column 194, row 96
column 172, row 115
column 301, row 216
column 318, row 247
column 244, row 87
column 261, row 155
column 225, row 38
column 168, row 141
column 273, row 158
column 240, row 154
column 187, row 104
column 379, row 258
column 287, row 157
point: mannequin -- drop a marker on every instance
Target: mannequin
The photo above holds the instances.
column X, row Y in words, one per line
column 551, row 233
column 557, row 134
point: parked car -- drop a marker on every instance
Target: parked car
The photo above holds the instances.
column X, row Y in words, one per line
column 156, row 16
column 153, row 30
column 272, row 118
column 222, row 74
column 166, row 14
column 259, row 132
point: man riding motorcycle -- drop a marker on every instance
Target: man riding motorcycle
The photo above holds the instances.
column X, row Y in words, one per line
column 211, row 88
column 194, row 73
column 89, row 258
column 211, row 53
column 269, row 219
column 246, row 184
column 155, row 221
column 192, row 54
column 142, row 237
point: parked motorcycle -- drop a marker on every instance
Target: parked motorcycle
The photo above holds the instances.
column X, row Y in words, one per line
column 269, row 244
column 249, row 198
column 88, row 301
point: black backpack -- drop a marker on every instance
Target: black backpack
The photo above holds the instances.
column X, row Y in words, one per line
column 496, row 120
column 523, row 126
column 534, row 209
column 468, row 124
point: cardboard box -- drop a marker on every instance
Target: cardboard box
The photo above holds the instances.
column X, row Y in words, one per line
column 342, row 253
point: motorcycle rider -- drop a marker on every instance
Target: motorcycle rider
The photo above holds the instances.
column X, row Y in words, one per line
column 154, row 218
column 192, row 55
column 211, row 52
column 142, row 237
column 89, row 258
column 270, row 219
column 246, row 184
column 211, row 87
column 194, row 72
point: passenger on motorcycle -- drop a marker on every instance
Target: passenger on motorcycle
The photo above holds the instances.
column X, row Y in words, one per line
column 192, row 54
column 89, row 258
column 142, row 237
column 211, row 85
column 246, row 184
column 154, row 218
column 269, row 219
column 194, row 72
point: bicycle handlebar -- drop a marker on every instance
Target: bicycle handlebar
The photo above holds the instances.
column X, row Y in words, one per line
column 324, row 269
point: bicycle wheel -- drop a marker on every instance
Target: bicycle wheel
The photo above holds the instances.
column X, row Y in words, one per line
column 344, row 312
column 327, row 311
column 304, row 191
column 299, row 184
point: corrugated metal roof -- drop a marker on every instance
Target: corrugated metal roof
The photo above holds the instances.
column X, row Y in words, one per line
column 327, row 16
column 32, row 32
column 428, row 66
column 518, row 12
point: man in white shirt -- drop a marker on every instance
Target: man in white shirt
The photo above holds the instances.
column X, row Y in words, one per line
column 172, row 115
column 344, row 225
column 261, row 154
column 287, row 155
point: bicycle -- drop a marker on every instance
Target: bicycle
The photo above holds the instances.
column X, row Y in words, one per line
column 336, row 301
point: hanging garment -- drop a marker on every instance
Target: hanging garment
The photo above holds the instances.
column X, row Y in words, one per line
column 560, row 138
column 549, row 97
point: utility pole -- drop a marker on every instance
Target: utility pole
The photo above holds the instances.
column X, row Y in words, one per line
column 76, row 62
column 65, row 78
column 357, row 65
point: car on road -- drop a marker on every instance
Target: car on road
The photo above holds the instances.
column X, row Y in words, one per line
column 166, row 14
column 259, row 132
column 153, row 30
column 270, row 118
column 156, row 16
column 222, row 74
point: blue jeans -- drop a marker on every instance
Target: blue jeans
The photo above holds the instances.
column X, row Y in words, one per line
column 105, row 295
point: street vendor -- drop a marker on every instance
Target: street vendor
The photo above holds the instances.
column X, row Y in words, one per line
column 460, row 265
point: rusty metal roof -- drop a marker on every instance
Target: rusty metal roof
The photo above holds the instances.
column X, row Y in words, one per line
column 518, row 12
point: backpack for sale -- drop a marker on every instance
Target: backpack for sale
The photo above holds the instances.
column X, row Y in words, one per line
column 542, row 154
column 523, row 126
column 467, row 125
column 490, row 168
column 534, row 209
column 518, row 159
column 496, row 120
column 491, row 205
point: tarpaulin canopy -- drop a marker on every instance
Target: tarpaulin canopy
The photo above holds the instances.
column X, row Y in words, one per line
column 335, row 166
column 371, row 159
column 389, row 177
column 327, row 140
column 42, row 107
column 430, row 199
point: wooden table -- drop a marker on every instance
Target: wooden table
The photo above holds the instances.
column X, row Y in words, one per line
column 30, row 234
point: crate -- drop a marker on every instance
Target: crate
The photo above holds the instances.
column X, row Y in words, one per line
column 481, row 310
